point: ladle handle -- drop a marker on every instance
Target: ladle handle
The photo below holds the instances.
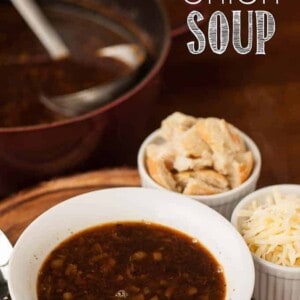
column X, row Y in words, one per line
column 38, row 23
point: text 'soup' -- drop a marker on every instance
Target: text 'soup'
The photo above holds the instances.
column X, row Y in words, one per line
column 261, row 28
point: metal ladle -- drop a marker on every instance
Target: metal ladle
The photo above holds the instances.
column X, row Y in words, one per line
column 83, row 101
column 44, row 31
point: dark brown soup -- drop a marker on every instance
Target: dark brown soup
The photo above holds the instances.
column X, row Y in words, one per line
column 133, row 261
column 27, row 72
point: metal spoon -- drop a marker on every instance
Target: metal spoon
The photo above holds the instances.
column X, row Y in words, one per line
column 44, row 31
column 83, row 101
column 5, row 252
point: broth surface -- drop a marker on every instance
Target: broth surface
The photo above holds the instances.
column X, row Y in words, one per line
column 134, row 261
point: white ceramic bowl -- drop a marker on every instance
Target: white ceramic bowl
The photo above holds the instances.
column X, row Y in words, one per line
column 223, row 203
column 131, row 204
column 272, row 282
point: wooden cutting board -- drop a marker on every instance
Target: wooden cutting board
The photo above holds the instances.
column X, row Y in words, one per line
column 18, row 211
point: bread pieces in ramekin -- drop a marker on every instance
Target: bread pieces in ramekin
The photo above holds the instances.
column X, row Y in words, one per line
column 203, row 156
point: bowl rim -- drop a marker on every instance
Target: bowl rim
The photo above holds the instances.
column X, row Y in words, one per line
column 251, row 197
column 254, row 175
column 177, row 198
column 122, row 98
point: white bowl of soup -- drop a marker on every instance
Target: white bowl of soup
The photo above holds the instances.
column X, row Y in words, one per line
column 131, row 243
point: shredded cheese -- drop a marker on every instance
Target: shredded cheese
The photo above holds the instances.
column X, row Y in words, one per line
column 271, row 228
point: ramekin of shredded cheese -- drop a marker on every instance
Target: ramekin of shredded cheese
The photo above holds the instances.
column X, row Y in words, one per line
column 269, row 221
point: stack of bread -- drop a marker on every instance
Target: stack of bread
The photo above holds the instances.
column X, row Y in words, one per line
column 198, row 156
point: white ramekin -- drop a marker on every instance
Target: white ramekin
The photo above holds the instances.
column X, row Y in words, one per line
column 223, row 203
column 131, row 204
column 272, row 282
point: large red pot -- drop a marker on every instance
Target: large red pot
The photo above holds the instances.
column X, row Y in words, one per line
column 102, row 137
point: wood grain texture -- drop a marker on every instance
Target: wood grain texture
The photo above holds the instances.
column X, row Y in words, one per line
column 21, row 209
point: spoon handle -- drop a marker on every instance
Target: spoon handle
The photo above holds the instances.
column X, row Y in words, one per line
column 4, row 293
column 38, row 23
column 5, row 250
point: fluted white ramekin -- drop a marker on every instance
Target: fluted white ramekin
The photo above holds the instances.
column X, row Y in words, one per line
column 223, row 203
column 272, row 282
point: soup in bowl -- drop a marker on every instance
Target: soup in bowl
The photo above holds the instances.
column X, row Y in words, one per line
column 131, row 243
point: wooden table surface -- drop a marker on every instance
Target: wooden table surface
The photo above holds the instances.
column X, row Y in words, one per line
column 19, row 210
